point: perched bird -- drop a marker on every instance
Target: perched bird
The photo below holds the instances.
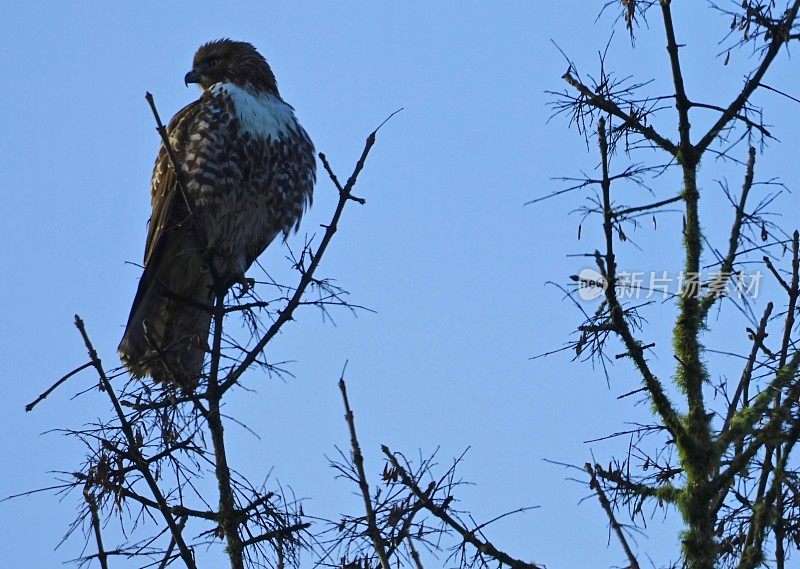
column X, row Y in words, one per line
column 248, row 170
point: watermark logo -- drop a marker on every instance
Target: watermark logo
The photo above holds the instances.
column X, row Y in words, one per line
column 643, row 285
column 591, row 284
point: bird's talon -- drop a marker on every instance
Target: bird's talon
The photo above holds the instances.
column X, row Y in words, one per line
column 246, row 285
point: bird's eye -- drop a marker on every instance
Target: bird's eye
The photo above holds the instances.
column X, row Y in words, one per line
column 213, row 62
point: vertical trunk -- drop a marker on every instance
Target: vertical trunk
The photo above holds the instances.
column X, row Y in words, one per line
column 697, row 453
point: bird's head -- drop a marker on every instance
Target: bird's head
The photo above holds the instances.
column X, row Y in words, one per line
column 231, row 61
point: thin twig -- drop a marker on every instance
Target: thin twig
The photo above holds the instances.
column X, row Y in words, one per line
column 133, row 449
column 168, row 553
column 612, row 108
column 278, row 533
column 744, row 381
column 358, row 460
column 470, row 537
column 752, row 83
column 726, row 267
column 102, row 556
column 179, row 182
column 627, row 211
column 594, row 484
column 43, row 396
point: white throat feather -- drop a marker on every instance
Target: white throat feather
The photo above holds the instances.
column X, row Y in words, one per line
column 262, row 115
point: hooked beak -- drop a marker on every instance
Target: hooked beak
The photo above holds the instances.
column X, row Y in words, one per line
column 191, row 77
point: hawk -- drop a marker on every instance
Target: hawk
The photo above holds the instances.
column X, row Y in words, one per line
column 248, row 171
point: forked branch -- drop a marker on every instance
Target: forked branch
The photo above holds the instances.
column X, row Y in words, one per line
column 285, row 315
column 133, row 449
column 468, row 536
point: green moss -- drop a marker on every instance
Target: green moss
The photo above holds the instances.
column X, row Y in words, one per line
column 668, row 493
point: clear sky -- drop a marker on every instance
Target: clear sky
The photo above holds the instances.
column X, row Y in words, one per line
column 444, row 249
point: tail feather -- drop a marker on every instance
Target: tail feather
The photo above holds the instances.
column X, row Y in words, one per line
column 166, row 337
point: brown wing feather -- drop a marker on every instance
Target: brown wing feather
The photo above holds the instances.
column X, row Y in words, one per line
column 164, row 189
column 167, row 327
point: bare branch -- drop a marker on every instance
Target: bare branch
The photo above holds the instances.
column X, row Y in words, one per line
column 726, row 267
column 43, row 396
column 345, row 195
column 102, row 556
column 615, row 525
column 358, row 459
column 777, row 41
column 628, row 120
column 133, row 449
column 440, row 512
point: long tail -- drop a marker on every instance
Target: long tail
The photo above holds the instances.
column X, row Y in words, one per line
column 167, row 332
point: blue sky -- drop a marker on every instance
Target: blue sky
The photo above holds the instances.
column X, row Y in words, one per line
column 444, row 249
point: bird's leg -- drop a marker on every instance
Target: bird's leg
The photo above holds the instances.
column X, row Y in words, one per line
column 239, row 278
column 245, row 283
